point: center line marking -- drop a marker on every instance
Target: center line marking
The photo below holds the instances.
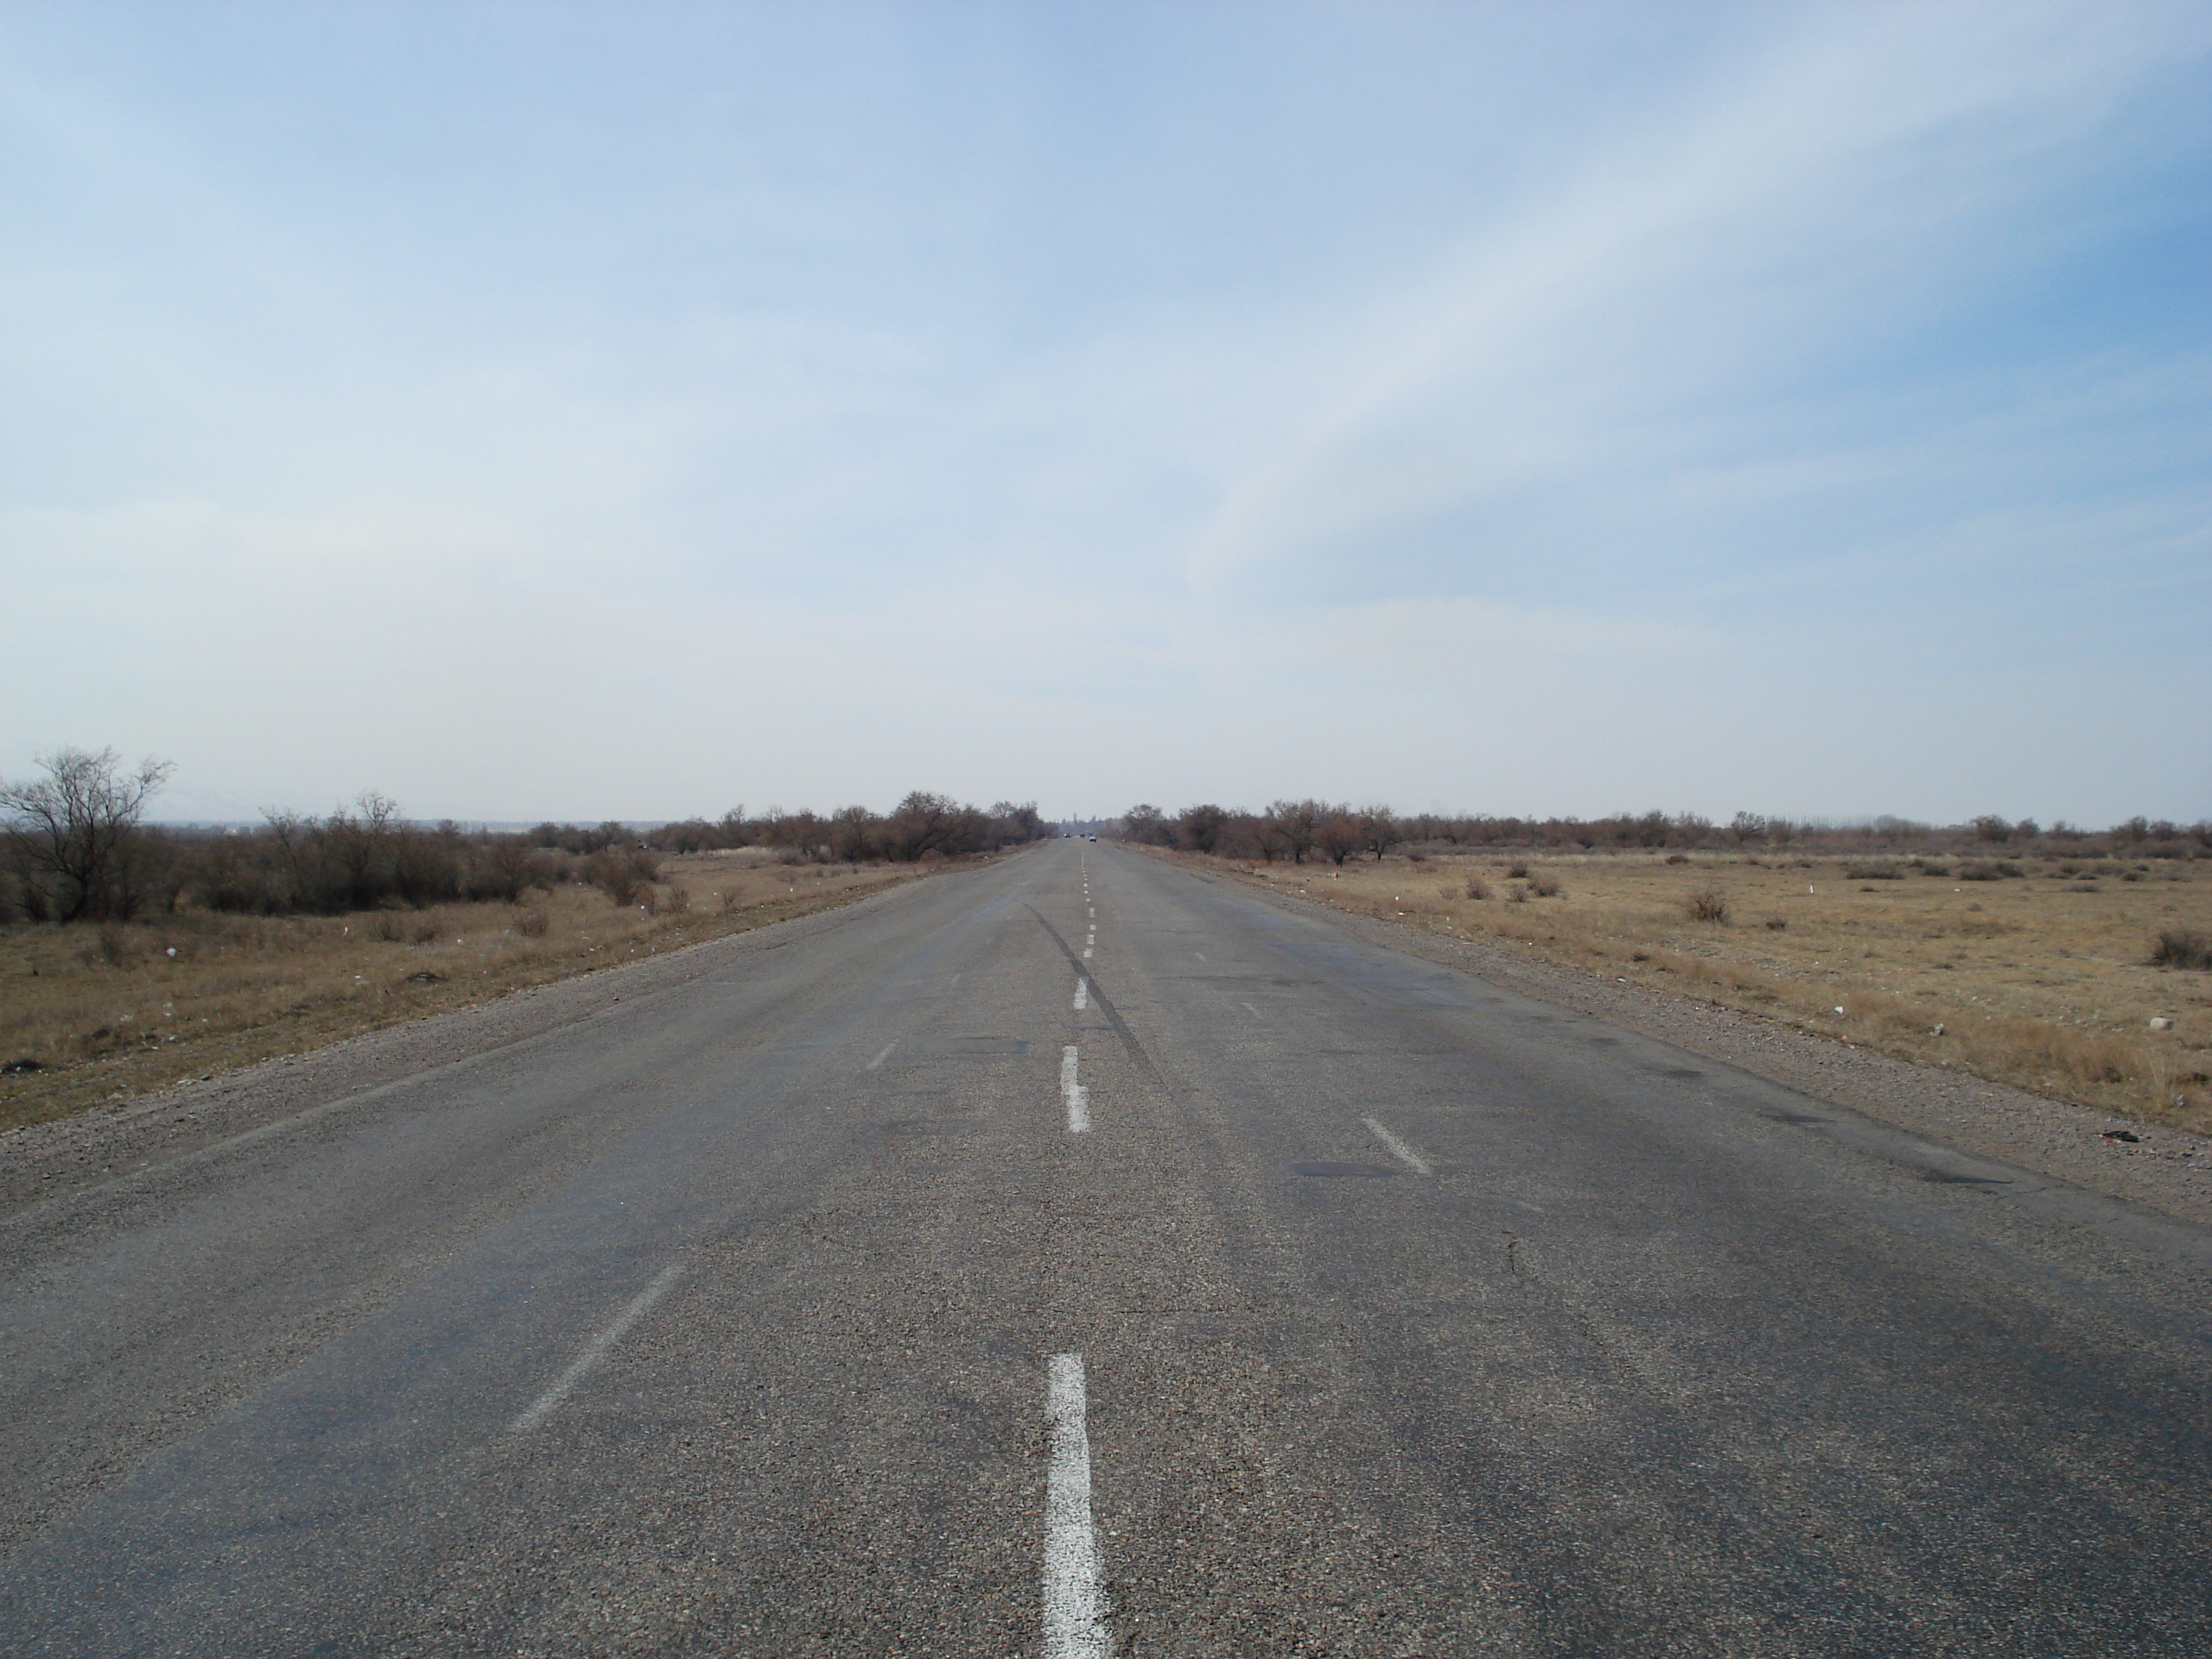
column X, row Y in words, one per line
column 883, row 1054
column 1082, row 992
column 1399, row 1150
column 1086, row 953
column 1077, row 1096
column 595, row 1351
column 1074, row 1604
column 1250, row 1010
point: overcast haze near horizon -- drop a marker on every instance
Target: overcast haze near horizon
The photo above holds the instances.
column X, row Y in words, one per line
column 590, row 411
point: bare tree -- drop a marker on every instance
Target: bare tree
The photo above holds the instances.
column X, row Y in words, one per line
column 924, row 822
column 1340, row 835
column 1300, row 823
column 1147, row 825
column 854, row 833
column 1018, row 821
column 505, row 868
column 1379, row 830
column 69, row 834
column 1199, row 827
column 358, row 846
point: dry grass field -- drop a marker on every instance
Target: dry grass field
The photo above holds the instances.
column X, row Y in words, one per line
column 109, row 1012
column 2041, row 979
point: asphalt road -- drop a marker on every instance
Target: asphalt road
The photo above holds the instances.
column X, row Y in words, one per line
column 1375, row 1310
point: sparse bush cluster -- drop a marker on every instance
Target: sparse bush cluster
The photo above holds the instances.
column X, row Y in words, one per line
column 365, row 856
column 1706, row 904
column 2182, row 947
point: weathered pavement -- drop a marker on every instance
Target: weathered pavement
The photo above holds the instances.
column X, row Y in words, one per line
column 1382, row 1311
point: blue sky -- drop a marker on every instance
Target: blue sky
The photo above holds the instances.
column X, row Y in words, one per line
column 638, row 410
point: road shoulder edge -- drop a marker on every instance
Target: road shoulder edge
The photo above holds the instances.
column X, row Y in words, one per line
column 74, row 1154
column 2057, row 1139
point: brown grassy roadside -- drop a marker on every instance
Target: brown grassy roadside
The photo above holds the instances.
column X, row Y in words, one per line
column 113, row 1013
column 2040, row 980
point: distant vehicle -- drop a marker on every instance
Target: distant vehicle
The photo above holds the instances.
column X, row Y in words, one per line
column 1094, row 838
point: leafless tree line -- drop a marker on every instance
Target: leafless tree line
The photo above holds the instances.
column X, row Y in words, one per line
column 1297, row 830
column 74, row 846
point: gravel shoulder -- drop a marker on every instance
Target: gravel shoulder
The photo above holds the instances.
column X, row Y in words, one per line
column 2165, row 1171
column 41, row 1161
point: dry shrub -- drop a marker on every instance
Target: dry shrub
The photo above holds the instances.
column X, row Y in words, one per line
column 2181, row 947
column 1518, row 870
column 397, row 927
column 2077, row 1057
column 1477, row 887
column 622, row 876
column 1706, row 904
column 678, row 901
column 532, row 923
column 1545, row 885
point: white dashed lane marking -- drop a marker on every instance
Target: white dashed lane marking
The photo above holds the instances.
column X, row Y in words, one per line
column 596, row 1350
column 1078, row 1098
column 883, row 1054
column 1074, row 1605
column 1399, row 1150
column 1082, row 993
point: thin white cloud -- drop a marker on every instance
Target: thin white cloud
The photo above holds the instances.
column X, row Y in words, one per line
column 1681, row 257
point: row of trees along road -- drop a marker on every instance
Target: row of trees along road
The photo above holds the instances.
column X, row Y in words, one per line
column 1299, row 830
column 77, row 848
